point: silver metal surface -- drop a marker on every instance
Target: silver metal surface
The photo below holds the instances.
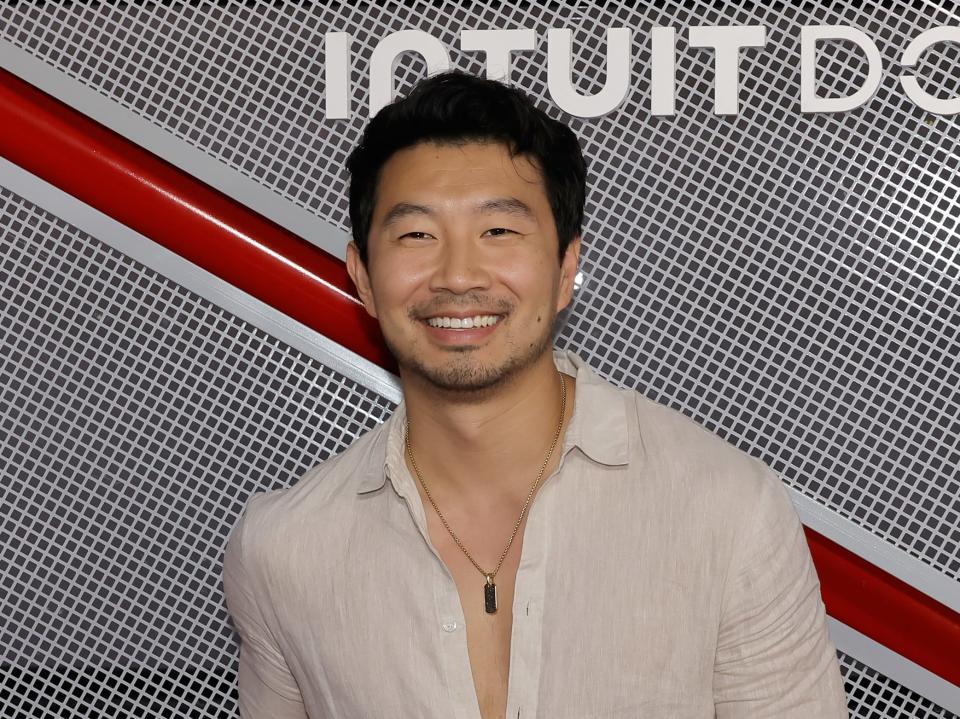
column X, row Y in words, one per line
column 870, row 694
column 887, row 665
column 136, row 419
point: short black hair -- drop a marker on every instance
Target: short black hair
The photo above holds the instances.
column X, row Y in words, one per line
column 456, row 107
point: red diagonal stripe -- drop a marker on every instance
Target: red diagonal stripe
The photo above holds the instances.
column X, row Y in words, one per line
column 174, row 209
column 887, row 609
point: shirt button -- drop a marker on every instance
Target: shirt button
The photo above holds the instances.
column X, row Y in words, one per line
column 450, row 626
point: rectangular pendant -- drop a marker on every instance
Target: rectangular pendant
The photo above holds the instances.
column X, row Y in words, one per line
column 490, row 598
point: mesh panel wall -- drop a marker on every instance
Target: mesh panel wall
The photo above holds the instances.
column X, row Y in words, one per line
column 870, row 695
column 135, row 421
column 789, row 280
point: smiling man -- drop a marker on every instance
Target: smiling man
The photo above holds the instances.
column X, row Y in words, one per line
column 521, row 538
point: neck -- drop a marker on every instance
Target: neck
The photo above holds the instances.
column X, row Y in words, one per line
column 490, row 447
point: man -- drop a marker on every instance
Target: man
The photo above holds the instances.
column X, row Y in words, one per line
column 520, row 538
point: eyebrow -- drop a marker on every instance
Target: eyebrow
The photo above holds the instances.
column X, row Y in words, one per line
column 404, row 209
column 508, row 205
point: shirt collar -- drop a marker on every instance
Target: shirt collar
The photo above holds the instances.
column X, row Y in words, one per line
column 598, row 427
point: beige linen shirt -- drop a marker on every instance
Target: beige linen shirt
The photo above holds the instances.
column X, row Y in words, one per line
column 663, row 574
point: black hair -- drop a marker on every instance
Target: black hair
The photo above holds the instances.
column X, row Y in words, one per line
column 456, row 107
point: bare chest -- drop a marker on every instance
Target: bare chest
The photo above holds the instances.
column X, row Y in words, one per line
column 488, row 635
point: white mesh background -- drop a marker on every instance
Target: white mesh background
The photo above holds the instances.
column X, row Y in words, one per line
column 789, row 281
column 136, row 419
column 870, row 695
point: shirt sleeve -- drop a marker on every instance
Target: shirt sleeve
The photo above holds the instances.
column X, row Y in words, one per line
column 774, row 655
column 267, row 689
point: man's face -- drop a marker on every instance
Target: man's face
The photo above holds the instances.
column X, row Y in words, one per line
column 462, row 269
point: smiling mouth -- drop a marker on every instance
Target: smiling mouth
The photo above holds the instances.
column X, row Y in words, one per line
column 465, row 323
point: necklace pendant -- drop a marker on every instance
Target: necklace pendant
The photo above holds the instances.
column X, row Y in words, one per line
column 490, row 596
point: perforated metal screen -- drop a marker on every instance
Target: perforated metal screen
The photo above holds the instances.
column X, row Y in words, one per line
column 871, row 695
column 789, row 280
column 135, row 421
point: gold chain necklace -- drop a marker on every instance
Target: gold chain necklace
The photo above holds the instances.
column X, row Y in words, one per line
column 490, row 588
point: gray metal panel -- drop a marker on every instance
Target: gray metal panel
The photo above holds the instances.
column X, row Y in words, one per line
column 886, row 663
column 871, row 695
column 136, row 419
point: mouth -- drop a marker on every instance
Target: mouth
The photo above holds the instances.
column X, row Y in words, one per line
column 463, row 323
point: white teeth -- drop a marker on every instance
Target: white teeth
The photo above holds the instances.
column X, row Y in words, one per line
column 463, row 322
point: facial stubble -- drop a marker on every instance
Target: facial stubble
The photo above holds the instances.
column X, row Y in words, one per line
column 463, row 375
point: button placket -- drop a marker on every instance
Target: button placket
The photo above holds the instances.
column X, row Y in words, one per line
column 525, row 660
column 452, row 642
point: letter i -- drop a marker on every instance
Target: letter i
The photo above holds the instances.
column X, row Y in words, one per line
column 336, row 71
column 663, row 71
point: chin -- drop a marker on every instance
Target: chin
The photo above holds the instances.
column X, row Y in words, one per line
column 464, row 374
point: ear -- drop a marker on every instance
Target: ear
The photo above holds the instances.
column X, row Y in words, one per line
column 568, row 272
column 361, row 278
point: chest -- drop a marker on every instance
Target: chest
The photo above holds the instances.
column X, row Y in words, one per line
column 488, row 634
column 371, row 618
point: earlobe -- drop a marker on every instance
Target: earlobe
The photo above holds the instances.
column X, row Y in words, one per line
column 361, row 278
column 568, row 272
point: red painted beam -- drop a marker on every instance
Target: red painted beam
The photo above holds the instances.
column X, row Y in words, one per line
column 121, row 179
column 887, row 609
column 91, row 162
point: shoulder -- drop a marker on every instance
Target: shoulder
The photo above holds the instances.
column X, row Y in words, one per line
column 668, row 430
column 729, row 503
column 322, row 491
column 666, row 448
column 690, row 457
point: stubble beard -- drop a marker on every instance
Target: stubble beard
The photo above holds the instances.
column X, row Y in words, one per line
column 464, row 376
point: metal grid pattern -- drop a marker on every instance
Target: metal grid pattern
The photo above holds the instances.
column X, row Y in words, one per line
column 790, row 281
column 870, row 695
column 787, row 280
column 136, row 419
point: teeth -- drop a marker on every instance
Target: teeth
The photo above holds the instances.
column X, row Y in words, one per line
column 458, row 323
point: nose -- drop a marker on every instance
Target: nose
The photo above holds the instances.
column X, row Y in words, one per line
column 460, row 267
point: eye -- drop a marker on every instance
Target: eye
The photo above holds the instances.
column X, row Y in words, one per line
column 415, row 235
column 499, row 231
